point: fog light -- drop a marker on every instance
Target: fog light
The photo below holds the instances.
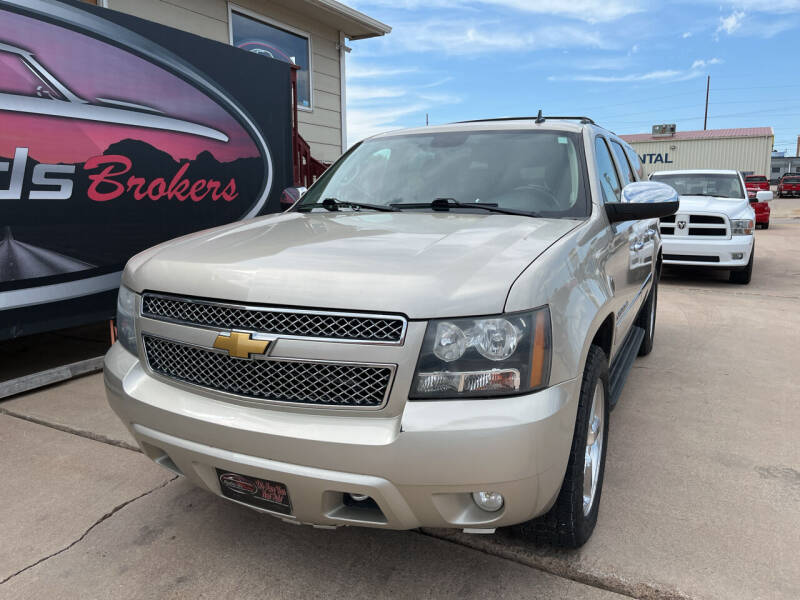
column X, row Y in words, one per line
column 738, row 255
column 488, row 501
column 359, row 497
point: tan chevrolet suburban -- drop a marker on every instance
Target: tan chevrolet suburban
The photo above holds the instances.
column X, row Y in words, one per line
column 432, row 335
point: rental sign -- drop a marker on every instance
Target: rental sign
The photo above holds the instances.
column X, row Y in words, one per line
column 117, row 134
column 655, row 158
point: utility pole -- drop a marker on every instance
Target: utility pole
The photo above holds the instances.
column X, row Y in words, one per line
column 708, row 87
column 426, row 119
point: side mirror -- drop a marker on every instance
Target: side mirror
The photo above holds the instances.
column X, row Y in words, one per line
column 291, row 195
column 643, row 200
column 763, row 196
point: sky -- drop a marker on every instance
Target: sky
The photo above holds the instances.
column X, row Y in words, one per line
column 627, row 64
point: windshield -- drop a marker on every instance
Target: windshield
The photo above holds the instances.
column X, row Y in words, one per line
column 530, row 171
column 719, row 185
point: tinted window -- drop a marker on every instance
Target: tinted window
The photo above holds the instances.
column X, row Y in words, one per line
column 636, row 162
column 532, row 171
column 609, row 182
column 622, row 161
column 755, row 178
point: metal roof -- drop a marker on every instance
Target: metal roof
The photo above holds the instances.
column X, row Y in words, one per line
column 745, row 132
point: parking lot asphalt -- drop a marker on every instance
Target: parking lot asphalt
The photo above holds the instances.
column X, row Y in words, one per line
column 701, row 497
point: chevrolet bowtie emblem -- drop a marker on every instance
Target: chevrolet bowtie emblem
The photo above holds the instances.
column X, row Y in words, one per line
column 240, row 345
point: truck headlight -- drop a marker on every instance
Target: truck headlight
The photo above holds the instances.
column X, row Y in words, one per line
column 487, row 356
column 742, row 226
column 126, row 329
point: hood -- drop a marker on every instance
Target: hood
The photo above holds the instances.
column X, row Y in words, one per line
column 734, row 208
column 421, row 264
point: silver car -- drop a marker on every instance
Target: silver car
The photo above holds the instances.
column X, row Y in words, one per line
column 433, row 335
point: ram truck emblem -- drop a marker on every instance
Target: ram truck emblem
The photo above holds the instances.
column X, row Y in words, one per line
column 681, row 224
column 240, row 345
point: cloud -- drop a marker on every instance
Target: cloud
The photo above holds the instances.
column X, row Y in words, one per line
column 687, row 35
column 667, row 74
column 360, row 92
column 731, row 23
column 362, row 123
column 358, row 71
column 699, row 63
column 441, row 98
column 473, row 38
column 663, row 75
column 590, row 11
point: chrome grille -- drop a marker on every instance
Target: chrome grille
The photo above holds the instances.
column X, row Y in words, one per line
column 287, row 322
column 295, row 381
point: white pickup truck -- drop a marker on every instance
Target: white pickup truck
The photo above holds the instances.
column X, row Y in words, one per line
column 715, row 223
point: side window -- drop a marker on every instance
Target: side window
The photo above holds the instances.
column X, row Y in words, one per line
column 636, row 163
column 622, row 161
column 609, row 182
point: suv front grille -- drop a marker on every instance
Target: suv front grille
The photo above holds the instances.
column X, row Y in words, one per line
column 309, row 383
column 287, row 322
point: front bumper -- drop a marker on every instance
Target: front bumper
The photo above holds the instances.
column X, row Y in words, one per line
column 708, row 252
column 420, row 466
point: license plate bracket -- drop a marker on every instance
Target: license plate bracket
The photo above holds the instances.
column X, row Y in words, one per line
column 261, row 493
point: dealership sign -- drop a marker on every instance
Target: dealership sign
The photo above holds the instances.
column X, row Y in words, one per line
column 655, row 158
column 117, row 134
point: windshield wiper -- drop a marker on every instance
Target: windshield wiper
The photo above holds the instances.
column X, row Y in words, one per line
column 333, row 204
column 444, row 204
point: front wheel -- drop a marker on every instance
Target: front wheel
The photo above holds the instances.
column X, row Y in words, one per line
column 743, row 276
column 571, row 520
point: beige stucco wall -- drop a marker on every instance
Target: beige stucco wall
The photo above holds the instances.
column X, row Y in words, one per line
column 751, row 154
column 322, row 125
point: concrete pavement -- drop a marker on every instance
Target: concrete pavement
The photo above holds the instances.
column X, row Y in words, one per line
column 701, row 498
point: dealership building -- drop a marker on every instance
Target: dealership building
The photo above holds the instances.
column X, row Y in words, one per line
column 747, row 150
column 311, row 33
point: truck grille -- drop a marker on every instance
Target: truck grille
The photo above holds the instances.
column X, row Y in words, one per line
column 287, row 322
column 694, row 225
column 310, row 383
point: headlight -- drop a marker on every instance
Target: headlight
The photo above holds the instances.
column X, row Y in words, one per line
column 126, row 309
column 490, row 356
column 742, row 226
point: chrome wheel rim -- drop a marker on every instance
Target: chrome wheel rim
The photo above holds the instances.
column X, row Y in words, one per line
column 594, row 447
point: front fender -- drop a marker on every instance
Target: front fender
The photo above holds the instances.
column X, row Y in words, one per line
column 571, row 278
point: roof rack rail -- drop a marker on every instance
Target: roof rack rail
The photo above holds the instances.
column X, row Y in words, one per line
column 538, row 118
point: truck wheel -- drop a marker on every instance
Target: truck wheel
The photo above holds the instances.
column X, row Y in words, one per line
column 571, row 520
column 647, row 320
column 743, row 276
column 765, row 225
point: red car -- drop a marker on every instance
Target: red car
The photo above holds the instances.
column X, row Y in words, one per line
column 789, row 185
column 755, row 184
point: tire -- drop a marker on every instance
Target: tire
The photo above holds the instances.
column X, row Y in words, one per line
column 647, row 320
column 743, row 276
column 570, row 522
column 765, row 225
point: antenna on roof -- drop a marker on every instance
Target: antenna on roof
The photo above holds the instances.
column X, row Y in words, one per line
column 539, row 117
